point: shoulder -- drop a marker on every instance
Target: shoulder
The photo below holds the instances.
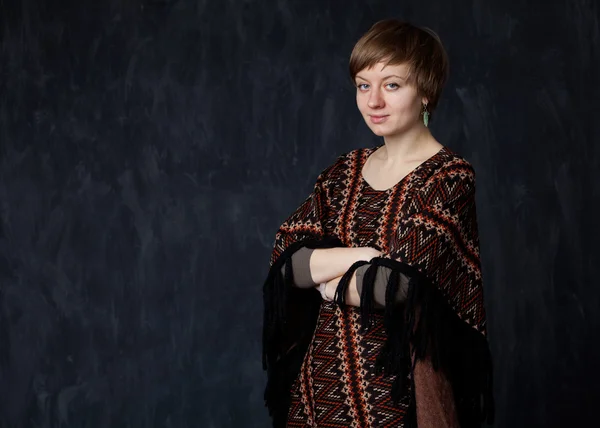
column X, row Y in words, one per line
column 452, row 167
column 452, row 177
column 350, row 156
column 341, row 164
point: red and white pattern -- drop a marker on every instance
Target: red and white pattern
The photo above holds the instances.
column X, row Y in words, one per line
column 338, row 386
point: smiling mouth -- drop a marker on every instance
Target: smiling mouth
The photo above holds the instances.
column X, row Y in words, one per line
column 378, row 119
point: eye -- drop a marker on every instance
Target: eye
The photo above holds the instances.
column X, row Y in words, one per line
column 362, row 86
column 392, row 86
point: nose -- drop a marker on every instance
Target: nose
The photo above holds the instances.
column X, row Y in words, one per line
column 375, row 99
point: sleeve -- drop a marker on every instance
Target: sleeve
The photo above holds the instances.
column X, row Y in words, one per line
column 442, row 321
column 290, row 313
column 301, row 268
column 380, row 281
column 303, row 277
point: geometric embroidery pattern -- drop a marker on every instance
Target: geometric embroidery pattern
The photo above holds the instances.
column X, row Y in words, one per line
column 337, row 385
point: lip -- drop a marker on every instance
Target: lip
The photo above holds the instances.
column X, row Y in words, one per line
column 378, row 119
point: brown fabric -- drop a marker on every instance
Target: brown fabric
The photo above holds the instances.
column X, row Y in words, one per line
column 434, row 397
column 301, row 268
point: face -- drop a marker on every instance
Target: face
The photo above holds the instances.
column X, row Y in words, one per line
column 388, row 102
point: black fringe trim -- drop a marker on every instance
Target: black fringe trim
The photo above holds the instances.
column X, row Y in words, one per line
column 427, row 322
column 289, row 319
column 342, row 287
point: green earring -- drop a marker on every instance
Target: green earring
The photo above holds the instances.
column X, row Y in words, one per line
column 425, row 115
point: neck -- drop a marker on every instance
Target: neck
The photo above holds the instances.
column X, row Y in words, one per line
column 408, row 144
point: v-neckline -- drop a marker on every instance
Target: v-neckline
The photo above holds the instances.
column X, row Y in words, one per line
column 423, row 164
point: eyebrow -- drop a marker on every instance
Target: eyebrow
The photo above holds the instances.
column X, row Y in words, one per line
column 385, row 78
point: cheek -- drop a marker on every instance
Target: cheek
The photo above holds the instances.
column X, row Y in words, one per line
column 361, row 103
column 406, row 106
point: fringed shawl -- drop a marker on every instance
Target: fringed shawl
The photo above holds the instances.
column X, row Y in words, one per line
column 436, row 244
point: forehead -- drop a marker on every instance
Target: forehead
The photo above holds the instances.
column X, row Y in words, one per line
column 381, row 70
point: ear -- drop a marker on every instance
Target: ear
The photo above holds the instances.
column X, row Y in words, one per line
column 424, row 100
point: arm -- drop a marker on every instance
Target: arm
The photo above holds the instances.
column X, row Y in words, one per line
column 316, row 266
column 354, row 291
column 328, row 290
column 330, row 263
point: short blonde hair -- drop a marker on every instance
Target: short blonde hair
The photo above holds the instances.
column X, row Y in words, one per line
column 396, row 42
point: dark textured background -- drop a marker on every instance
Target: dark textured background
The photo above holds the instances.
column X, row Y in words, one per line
column 149, row 151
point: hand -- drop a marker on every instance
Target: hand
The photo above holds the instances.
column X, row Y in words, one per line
column 323, row 291
column 328, row 289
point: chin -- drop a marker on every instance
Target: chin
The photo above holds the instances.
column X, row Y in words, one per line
column 382, row 131
column 379, row 132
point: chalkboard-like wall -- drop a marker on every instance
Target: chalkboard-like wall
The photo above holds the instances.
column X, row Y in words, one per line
column 150, row 149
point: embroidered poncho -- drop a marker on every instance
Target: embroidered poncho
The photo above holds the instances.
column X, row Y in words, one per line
column 333, row 365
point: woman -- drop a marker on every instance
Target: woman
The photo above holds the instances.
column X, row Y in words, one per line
column 396, row 337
